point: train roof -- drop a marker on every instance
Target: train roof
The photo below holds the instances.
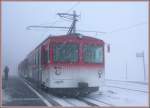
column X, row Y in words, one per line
column 63, row 38
column 72, row 37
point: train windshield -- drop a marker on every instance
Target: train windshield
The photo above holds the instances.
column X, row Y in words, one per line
column 66, row 52
column 93, row 54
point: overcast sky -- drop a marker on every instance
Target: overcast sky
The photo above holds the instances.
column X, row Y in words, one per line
column 125, row 25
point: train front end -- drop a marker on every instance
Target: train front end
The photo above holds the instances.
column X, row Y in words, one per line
column 76, row 66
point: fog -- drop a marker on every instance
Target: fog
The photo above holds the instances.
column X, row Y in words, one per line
column 125, row 25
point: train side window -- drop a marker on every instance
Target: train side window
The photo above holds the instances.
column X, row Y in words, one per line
column 34, row 59
column 48, row 53
column 39, row 56
column 45, row 56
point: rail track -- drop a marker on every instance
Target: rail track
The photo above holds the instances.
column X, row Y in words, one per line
column 90, row 100
column 61, row 101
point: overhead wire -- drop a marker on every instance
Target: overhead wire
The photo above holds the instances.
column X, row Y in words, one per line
column 118, row 30
column 127, row 28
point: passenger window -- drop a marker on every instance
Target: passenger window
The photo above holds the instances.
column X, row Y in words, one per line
column 49, row 54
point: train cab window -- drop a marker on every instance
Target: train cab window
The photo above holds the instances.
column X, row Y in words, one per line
column 93, row 54
column 46, row 56
column 66, row 53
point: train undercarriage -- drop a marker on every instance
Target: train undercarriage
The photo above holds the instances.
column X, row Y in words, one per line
column 70, row 92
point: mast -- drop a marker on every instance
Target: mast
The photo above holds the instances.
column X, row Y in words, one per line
column 72, row 29
column 73, row 18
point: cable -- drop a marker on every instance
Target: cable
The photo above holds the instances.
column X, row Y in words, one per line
column 126, row 28
column 116, row 30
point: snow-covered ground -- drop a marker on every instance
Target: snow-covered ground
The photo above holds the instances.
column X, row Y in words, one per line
column 121, row 93
column 115, row 93
column 139, row 86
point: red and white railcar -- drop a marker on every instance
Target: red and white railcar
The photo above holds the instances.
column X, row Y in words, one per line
column 68, row 64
